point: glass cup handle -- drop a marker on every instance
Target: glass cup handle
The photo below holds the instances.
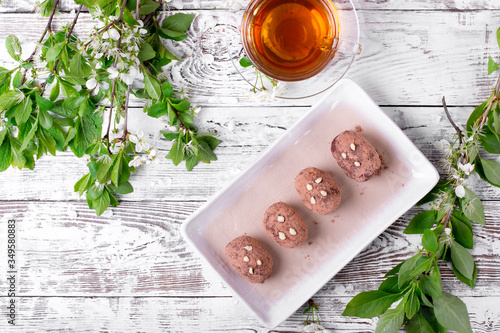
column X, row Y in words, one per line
column 346, row 46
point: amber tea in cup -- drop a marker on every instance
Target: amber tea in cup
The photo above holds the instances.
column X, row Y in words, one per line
column 290, row 40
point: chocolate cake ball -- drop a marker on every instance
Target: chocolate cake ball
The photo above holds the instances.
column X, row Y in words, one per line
column 284, row 225
column 355, row 155
column 318, row 190
column 249, row 259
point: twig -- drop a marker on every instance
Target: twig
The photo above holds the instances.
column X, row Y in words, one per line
column 125, row 126
column 448, row 217
column 113, row 90
column 100, row 31
column 68, row 35
column 459, row 132
column 181, row 124
column 48, row 27
column 484, row 116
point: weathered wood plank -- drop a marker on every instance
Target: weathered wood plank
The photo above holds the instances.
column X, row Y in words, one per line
column 183, row 315
column 137, row 250
column 245, row 134
column 23, row 6
column 391, row 41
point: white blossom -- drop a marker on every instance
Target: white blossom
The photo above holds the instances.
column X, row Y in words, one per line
column 91, row 83
column 467, row 168
column 136, row 162
column 447, row 231
column 460, row 191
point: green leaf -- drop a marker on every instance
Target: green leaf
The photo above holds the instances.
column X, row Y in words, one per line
column 148, row 7
column 491, row 170
column 157, row 110
column 23, row 111
column 176, row 153
column 186, row 118
column 429, row 241
column 128, row 18
column 86, row 132
column 394, row 270
column 152, row 86
column 10, row 98
column 205, row 153
column 54, row 92
column 472, row 206
column 478, row 112
column 44, row 103
column 462, row 229
column 4, row 75
column 102, row 203
column 47, row 140
column 167, row 89
column 492, row 66
column 412, row 305
column 146, row 52
column 391, row 321
column 83, row 184
column 418, row 324
column 470, row 282
column 169, row 135
column 165, row 54
column 421, row 222
column 370, row 304
column 191, row 162
column 67, row 89
column 390, row 285
column 124, row 188
column 498, row 37
column 54, row 51
column 490, row 143
column 178, row 22
column 79, row 66
column 245, row 62
column 13, row 47
column 452, row 313
column 45, row 119
column 182, row 106
column 171, row 34
column 117, row 167
column 406, row 270
column 430, row 285
column 462, row 260
column 104, row 173
column 5, row 155
column 496, row 121
column 73, row 102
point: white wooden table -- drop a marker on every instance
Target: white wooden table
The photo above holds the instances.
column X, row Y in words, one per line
column 130, row 271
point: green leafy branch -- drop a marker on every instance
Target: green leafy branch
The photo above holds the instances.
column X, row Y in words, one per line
column 58, row 97
column 414, row 286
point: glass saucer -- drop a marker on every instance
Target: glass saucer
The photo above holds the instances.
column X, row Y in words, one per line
column 333, row 72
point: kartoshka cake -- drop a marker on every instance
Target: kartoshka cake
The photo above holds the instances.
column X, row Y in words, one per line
column 249, row 259
column 355, row 155
column 318, row 190
column 284, row 225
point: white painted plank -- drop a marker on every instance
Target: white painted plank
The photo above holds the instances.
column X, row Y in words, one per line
column 66, row 5
column 406, row 59
column 245, row 134
column 137, row 250
column 194, row 315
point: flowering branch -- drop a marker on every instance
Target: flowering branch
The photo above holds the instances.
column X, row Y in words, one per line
column 86, row 77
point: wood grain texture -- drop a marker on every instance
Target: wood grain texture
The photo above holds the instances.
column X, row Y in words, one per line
column 195, row 315
column 137, row 250
column 245, row 134
column 429, row 54
column 23, row 6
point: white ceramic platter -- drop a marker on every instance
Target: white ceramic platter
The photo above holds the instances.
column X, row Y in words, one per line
column 366, row 210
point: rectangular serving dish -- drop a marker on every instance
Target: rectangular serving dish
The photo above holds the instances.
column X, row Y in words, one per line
column 366, row 210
